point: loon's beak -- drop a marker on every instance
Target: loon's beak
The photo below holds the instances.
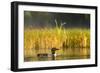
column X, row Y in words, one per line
column 56, row 49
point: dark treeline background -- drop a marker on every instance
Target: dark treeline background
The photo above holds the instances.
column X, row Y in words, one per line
column 47, row 19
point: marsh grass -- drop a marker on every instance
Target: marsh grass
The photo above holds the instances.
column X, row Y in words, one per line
column 42, row 40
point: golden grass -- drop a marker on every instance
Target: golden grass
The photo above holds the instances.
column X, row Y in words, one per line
column 42, row 40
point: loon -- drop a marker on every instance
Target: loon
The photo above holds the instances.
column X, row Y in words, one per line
column 53, row 53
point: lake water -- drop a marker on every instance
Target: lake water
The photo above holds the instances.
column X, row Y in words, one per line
column 65, row 54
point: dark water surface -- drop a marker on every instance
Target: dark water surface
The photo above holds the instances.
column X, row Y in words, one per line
column 67, row 54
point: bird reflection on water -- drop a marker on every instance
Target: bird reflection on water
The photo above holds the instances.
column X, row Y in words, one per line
column 68, row 54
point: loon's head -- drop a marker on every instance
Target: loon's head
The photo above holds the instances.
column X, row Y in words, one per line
column 54, row 49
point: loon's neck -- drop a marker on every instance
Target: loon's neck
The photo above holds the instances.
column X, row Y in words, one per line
column 55, row 54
